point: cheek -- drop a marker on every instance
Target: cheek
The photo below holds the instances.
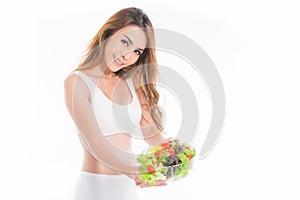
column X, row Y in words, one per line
column 112, row 46
column 134, row 58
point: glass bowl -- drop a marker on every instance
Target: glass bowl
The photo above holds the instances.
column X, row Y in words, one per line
column 171, row 172
column 171, row 161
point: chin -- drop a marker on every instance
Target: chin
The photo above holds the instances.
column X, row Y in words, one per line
column 115, row 69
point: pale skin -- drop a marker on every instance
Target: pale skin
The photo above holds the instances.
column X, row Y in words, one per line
column 122, row 50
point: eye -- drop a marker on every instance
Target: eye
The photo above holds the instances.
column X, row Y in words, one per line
column 137, row 52
column 125, row 42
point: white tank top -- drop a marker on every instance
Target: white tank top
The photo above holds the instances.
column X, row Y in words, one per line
column 112, row 117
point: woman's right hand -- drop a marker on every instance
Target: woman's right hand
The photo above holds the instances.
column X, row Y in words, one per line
column 139, row 182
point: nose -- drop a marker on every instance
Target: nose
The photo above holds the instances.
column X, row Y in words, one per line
column 126, row 56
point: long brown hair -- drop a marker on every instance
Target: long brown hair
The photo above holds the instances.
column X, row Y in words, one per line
column 144, row 72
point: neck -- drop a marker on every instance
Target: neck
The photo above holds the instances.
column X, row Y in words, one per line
column 110, row 76
column 106, row 74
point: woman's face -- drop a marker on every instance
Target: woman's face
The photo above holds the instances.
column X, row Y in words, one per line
column 124, row 47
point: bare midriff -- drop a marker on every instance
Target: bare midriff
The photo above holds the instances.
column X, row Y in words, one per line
column 91, row 164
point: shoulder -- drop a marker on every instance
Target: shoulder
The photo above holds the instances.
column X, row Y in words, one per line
column 73, row 85
column 71, row 79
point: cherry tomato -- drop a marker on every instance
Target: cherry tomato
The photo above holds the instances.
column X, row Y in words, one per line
column 189, row 156
column 166, row 145
column 150, row 169
column 158, row 153
column 172, row 153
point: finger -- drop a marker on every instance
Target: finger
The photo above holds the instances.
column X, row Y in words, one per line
column 156, row 184
column 144, row 185
column 170, row 139
column 138, row 183
column 161, row 183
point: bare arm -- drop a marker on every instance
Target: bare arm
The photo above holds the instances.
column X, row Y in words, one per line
column 151, row 134
column 77, row 97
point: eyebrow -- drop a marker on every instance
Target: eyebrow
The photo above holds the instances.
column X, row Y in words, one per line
column 132, row 42
column 128, row 39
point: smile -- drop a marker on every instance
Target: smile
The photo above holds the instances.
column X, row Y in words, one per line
column 118, row 61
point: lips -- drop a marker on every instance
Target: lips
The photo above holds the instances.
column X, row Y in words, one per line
column 118, row 62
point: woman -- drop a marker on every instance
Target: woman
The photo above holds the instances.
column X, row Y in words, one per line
column 119, row 71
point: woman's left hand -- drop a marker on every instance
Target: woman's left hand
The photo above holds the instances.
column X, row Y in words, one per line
column 167, row 140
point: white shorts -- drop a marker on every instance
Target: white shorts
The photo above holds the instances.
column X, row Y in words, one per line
column 92, row 186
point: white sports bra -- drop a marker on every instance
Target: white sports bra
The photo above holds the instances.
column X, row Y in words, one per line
column 112, row 117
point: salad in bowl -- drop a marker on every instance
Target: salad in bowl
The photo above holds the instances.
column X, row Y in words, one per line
column 170, row 160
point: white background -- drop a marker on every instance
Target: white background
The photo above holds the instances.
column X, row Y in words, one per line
column 255, row 46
